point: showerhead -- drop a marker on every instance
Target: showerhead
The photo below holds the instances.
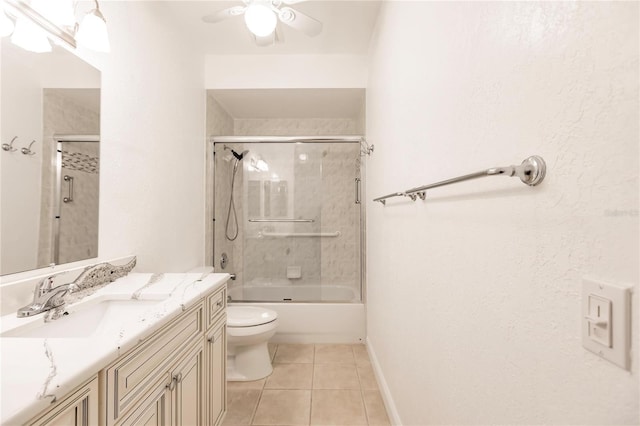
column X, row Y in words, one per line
column 240, row 156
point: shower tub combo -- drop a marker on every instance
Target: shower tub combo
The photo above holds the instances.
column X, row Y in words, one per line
column 288, row 223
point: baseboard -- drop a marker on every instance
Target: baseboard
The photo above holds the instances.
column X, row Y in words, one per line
column 389, row 404
column 319, row 338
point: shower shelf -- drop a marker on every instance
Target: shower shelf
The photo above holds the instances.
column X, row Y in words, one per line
column 298, row 234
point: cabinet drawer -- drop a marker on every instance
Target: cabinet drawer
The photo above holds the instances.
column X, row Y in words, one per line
column 216, row 303
column 131, row 376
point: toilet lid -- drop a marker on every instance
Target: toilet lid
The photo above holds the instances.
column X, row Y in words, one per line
column 247, row 316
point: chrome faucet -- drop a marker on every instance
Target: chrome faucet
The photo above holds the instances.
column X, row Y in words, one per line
column 46, row 298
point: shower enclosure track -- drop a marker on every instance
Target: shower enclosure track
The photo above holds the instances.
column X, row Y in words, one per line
column 282, row 220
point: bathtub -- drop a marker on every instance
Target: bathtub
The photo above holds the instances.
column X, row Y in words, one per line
column 285, row 292
column 308, row 313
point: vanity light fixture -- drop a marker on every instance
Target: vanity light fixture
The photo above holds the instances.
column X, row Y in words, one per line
column 260, row 19
column 92, row 31
column 30, row 36
column 40, row 20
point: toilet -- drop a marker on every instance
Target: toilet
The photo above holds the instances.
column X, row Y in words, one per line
column 249, row 328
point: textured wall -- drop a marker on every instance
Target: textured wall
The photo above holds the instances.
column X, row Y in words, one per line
column 474, row 295
column 20, row 184
column 152, row 181
column 285, row 71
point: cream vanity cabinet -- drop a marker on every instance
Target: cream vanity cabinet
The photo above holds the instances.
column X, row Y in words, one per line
column 79, row 408
column 177, row 376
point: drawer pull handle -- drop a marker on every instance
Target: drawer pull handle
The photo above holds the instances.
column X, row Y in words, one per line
column 219, row 304
column 211, row 339
column 174, row 381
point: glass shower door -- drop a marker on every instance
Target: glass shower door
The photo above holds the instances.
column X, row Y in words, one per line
column 298, row 221
column 78, row 182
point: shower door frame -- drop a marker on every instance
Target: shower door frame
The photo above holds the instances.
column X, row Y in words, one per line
column 57, row 206
column 213, row 140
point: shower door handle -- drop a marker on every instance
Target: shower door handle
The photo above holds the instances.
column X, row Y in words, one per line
column 357, row 190
column 69, row 179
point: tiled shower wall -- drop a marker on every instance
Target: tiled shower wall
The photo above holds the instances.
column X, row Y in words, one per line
column 63, row 115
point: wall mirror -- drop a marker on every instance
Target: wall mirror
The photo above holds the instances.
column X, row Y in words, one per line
column 49, row 175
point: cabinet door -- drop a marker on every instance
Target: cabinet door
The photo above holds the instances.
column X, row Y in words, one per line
column 217, row 372
column 188, row 393
column 80, row 408
column 154, row 410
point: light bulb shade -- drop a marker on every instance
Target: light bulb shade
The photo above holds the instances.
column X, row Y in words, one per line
column 30, row 36
column 260, row 19
column 92, row 32
column 6, row 24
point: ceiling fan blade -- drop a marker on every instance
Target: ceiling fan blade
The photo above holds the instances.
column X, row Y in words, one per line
column 300, row 21
column 224, row 14
column 292, row 1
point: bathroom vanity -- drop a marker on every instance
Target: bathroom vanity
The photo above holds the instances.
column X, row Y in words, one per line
column 146, row 349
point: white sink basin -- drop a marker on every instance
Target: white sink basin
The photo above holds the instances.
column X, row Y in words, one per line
column 92, row 318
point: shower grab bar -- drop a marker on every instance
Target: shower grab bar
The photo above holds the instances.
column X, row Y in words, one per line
column 281, row 220
column 531, row 172
column 69, row 179
column 298, row 234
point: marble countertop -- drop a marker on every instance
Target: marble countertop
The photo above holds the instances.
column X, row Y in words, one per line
column 35, row 371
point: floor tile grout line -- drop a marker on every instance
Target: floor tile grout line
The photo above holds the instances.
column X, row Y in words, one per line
column 264, row 383
column 313, row 373
column 366, row 412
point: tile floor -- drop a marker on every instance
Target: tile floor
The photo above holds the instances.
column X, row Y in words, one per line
column 310, row 385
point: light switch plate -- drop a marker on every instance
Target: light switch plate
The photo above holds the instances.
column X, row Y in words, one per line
column 608, row 303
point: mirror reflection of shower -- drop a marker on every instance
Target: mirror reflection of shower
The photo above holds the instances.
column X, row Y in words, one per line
column 231, row 232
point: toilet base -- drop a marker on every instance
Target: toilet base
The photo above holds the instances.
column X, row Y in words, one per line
column 247, row 363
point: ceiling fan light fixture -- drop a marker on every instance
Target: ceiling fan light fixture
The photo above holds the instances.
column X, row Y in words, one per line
column 260, row 19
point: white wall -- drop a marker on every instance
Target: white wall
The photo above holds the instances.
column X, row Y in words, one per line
column 21, row 117
column 285, row 71
column 153, row 144
column 474, row 295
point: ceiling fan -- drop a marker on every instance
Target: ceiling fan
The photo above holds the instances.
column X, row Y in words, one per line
column 262, row 16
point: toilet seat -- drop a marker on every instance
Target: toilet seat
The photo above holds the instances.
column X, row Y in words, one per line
column 249, row 316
